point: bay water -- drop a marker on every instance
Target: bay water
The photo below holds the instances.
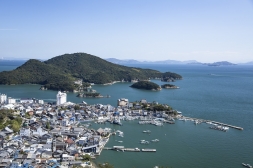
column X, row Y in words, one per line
column 223, row 94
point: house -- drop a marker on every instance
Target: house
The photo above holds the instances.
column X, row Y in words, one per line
column 5, row 162
column 25, row 132
column 88, row 149
column 32, row 120
column 57, row 153
column 59, row 146
column 66, row 157
column 39, row 132
column 46, row 154
column 143, row 101
column 44, row 138
column 82, row 140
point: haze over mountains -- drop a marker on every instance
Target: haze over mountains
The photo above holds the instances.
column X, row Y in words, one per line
column 133, row 61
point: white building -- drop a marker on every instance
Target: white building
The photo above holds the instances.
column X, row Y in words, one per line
column 123, row 102
column 65, row 122
column 41, row 101
column 61, row 98
column 3, row 98
column 11, row 100
column 26, row 100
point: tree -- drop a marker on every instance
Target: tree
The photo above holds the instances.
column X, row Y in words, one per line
column 86, row 157
column 15, row 126
column 47, row 125
column 77, row 107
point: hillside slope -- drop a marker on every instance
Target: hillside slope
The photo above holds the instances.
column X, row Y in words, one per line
column 58, row 73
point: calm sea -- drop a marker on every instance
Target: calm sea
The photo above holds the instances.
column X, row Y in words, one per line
column 223, row 94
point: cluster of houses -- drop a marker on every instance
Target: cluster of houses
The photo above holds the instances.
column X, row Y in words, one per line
column 57, row 135
column 51, row 136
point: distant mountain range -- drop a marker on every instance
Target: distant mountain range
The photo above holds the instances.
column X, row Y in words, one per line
column 192, row 62
column 132, row 61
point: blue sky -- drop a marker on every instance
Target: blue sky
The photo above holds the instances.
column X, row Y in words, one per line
column 202, row 30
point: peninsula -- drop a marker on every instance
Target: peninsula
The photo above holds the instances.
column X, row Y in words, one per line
column 61, row 72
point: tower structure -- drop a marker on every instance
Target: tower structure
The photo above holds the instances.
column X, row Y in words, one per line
column 3, row 99
column 61, row 98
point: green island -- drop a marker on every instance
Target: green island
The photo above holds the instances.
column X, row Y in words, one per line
column 61, row 72
column 169, row 86
column 147, row 85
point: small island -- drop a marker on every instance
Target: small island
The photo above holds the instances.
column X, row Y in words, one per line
column 170, row 77
column 169, row 86
column 221, row 63
column 147, row 85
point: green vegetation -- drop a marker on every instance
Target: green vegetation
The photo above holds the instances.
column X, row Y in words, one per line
column 86, row 157
column 59, row 73
column 145, row 85
column 161, row 107
column 168, row 86
column 88, row 94
column 8, row 119
column 169, row 76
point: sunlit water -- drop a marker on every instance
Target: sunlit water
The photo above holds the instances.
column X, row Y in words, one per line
column 223, row 94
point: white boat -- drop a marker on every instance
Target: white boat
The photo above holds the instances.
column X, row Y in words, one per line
column 144, row 142
column 155, row 140
column 121, row 135
column 120, row 141
column 146, row 131
column 247, row 165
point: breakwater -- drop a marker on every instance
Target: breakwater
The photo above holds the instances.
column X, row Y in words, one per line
column 214, row 122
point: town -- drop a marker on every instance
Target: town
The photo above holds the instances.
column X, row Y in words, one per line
column 56, row 134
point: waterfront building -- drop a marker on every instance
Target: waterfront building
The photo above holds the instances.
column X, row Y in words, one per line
column 26, row 100
column 123, row 102
column 3, row 99
column 11, row 100
column 61, row 98
column 41, row 101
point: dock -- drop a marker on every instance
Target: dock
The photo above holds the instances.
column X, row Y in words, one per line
column 227, row 125
column 215, row 122
column 129, row 149
column 148, row 150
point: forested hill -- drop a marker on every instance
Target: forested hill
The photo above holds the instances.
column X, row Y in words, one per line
column 59, row 72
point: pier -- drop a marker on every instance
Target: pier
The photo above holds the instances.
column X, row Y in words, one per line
column 227, row 125
column 148, row 150
column 121, row 148
column 215, row 122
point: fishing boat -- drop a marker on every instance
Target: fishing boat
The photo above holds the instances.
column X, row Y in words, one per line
column 146, row 131
column 155, row 140
column 247, row 165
